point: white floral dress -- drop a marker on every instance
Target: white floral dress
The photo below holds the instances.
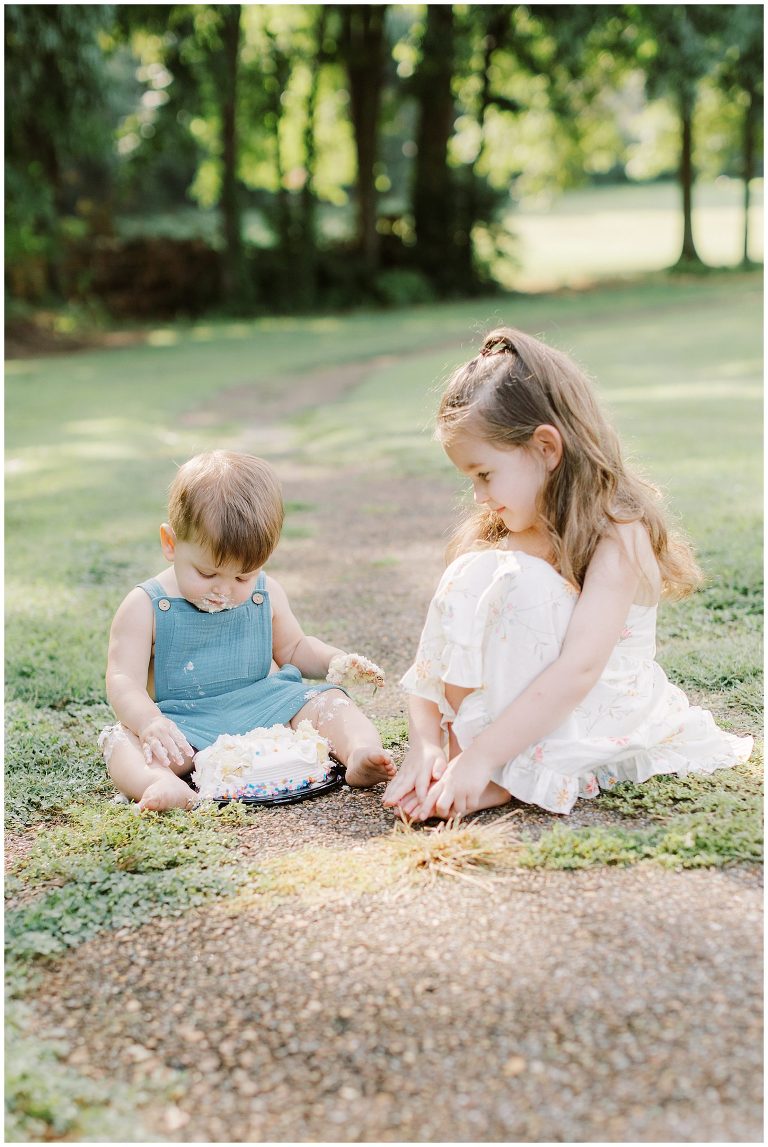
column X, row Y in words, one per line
column 498, row 618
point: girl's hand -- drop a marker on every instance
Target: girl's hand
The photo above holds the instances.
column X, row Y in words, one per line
column 422, row 766
column 457, row 791
column 164, row 742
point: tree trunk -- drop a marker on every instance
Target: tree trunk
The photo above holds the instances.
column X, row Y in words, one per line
column 433, row 205
column 363, row 45
column 234, row 283
column 689, row 254
column 748, row 158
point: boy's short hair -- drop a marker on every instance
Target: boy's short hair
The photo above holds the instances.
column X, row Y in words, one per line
column 230, row 503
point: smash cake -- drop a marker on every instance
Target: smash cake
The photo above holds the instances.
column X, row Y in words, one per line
column 262, row 764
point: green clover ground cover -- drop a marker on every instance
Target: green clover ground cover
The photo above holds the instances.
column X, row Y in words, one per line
column 91, row 444
column 102, row 867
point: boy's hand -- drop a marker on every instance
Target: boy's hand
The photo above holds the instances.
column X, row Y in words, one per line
column 164, row 742
column 421, row 767
column 354, row 669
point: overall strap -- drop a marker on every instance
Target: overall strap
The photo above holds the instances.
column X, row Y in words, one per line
column 261, row 582
column 152, row 588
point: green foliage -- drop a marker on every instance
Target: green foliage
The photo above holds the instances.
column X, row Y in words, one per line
column 121, row 110
column 45, row 1099
column 400, row 288
column 727, row 791
column 113, row 868
column 100, row 899
column 563, row 847
column 393, row 731
column 730, row 667
column 692, row 842
column 30, row 221
column 41, row 669
column 56, row 70
column 677, row 45
column 51, row 759
column 703, row 841
column 701, row 822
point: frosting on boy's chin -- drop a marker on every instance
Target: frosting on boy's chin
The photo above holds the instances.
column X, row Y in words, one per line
column 213, row 604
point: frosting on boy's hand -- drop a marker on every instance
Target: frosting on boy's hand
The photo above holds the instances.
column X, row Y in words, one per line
column 353, row 669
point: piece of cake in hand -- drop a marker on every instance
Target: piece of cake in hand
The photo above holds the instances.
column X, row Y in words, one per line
column 263, row 764
column 354, row 669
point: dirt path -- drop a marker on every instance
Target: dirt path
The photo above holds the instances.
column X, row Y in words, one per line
column 605, row 1005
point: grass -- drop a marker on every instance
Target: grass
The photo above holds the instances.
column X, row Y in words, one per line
column 45, row 1099
column 638, row 226
column 101, row 868
column 92, row 442
column 107, row 868
column 51, row 759
column 456, row 848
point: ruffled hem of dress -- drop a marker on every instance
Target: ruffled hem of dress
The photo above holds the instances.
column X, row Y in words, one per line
column 555, row 792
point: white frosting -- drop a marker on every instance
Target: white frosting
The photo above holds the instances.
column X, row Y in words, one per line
column 354, row 669
column 262, row 763
column 214, row 604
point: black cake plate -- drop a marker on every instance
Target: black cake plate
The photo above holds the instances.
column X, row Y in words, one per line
column 334, row 781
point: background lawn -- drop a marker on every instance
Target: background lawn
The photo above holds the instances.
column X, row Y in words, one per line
column 638, row 227
column 92, row 440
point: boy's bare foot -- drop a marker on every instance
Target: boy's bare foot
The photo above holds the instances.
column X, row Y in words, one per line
column 166, row 792
column 368, row 765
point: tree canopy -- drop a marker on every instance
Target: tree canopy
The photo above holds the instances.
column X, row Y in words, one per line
column 337, row 152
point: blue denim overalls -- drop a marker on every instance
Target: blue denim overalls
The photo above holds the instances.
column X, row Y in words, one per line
column 212, row 669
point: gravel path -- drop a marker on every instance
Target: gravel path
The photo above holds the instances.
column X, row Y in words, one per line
column 606, row 1005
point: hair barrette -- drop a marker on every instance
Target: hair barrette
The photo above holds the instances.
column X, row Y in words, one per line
column 499, row 346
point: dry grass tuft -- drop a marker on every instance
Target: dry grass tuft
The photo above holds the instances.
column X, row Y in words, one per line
column 456, row 848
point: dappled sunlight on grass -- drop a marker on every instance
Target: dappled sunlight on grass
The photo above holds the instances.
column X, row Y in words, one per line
column 167, row 337
column 301, row 323
column 100, row 450
column 106, row 428
column 399, row 399
column 19, row 367
column 710, row 391
column 26, row 465
column 82, row 469
column 639, row 230
column 736, row 368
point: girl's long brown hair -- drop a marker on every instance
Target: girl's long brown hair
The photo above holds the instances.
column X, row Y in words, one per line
column 516, row 384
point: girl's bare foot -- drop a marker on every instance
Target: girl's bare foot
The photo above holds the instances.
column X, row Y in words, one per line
column 368, row 765
column 492, row 796
column 166, row 792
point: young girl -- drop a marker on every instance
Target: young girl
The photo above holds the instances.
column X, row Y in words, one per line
column 535, row 676
column 210, row 644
